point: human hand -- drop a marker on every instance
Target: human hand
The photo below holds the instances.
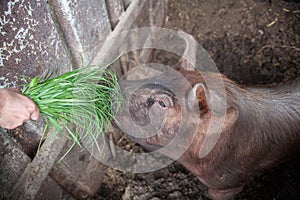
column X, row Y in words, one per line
column 15, row 109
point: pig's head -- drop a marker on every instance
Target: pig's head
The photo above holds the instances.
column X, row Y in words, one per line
column 157, row 107
column 157, row 113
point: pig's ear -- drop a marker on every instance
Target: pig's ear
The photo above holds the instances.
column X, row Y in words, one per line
column 198, row 97
column 188, row 60
column 206, row 99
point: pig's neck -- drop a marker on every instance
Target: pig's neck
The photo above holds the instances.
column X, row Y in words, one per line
column 267, row 129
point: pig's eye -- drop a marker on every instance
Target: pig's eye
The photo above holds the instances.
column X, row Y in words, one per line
column 164, row 101
column 162, row 104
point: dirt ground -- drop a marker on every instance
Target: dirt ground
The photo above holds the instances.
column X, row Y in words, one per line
column 252, row 42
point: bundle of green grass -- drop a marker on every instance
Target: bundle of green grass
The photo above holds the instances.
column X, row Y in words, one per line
column 82, row 102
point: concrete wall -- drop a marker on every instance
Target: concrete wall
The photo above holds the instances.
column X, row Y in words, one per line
column 39, row 35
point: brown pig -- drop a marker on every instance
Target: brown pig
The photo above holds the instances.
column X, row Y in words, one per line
column 261, row 129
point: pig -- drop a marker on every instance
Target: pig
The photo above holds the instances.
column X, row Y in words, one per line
column 261, row 128
column 260, row 125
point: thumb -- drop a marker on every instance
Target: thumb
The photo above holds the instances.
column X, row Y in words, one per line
column 34, row 112
column 35, row 115
column 32, row 109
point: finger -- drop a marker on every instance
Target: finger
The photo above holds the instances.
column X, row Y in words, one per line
column 35, row 115
column 12, row 125
column 32, row 109
column 9, row 127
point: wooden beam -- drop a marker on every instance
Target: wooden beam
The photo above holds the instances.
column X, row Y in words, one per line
column 37, row 171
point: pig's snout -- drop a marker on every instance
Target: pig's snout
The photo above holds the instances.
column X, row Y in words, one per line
column 139, row 107
column 149, row 103
column 153, row 115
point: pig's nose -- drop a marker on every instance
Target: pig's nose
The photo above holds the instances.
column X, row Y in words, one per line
column 150, row 102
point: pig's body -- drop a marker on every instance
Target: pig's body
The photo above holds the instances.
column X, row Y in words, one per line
column 265, row 132
column 261, row 129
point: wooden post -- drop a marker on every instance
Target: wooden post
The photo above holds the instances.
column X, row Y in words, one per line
column 37, row 171
column 115, row 10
